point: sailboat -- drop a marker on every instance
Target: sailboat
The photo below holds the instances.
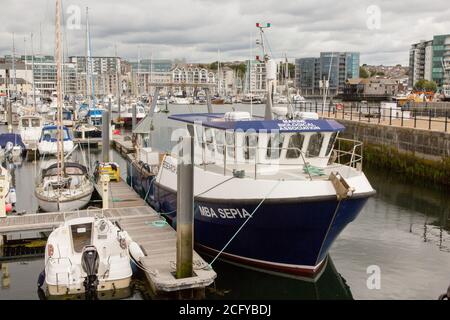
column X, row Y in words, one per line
column 63, row 186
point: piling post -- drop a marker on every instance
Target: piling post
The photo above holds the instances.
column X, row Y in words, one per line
column 105, row 135
column 208, row 100
column 446, row 120
column 2, row 197
column 133, row 118
column 185, row 208
column 10, row 117
column 105, row 191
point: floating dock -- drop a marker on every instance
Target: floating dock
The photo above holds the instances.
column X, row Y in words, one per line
column 121, row 195
column 122, row 146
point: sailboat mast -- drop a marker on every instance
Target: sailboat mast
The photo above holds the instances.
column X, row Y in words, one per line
column 60, row 144
column 14, row 65
column 118, row 78
column 87, row 54
column 32, row 72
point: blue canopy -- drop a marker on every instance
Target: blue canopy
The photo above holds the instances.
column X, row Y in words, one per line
column 95, row 112
column 15, row 138
column 49, row 133
column 217, row 121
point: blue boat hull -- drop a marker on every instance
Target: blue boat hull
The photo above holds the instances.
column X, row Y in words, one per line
column 288, row 236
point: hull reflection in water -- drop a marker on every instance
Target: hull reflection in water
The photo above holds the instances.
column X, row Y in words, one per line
column 117, row 294
column 243, row 283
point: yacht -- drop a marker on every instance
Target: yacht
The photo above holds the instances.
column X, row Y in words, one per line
column 64, row 189
column 91, row 128
column 48, row 140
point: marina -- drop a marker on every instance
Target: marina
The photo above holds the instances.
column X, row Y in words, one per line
column 264, row 178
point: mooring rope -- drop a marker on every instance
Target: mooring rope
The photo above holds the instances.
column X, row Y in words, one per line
column 245, row 222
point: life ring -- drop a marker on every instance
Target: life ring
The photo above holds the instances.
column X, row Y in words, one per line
column 339, row 106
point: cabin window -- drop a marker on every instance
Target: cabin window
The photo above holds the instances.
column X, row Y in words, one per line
column 331, row 143
column 199, row 134
column 274, row 146
column 295, row 146
column 229, row 137
column 35, row 123
column 52, row 135
column 81, row 236
column 209, row 137
column 25, row 122
column 250, row 146
column 315, row 144
column 220, row 140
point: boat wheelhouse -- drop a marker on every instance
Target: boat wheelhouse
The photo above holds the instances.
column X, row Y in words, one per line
column 30, row 128
column 283, row 184
column 48, row 140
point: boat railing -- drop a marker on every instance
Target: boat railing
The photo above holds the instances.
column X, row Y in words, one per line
column 348, row 152
column 255, row 160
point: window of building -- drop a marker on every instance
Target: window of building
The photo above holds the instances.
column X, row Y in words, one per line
column 295, row 146
column 315, row 144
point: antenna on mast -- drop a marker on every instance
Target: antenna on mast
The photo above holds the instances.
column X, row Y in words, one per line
column 271, row 71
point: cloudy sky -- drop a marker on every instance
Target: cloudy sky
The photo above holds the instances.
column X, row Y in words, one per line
column 382, row 30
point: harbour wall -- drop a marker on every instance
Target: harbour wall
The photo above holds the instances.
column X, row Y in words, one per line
column 415, row 153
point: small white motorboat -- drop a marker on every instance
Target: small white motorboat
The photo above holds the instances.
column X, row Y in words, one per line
column 48, row 140
column 86, row 255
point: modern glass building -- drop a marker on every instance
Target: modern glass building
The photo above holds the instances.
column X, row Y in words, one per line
column 151, row 65
column 429, row 60
column 336, row 67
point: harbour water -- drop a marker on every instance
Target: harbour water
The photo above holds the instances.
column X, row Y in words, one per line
column 403, row 232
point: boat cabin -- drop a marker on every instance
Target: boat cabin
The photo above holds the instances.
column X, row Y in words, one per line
column 95, row 117
column 49, row 134
column 26, row 122
column 234, row 139
column 73, row 175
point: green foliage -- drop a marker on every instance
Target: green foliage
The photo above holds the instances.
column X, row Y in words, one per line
column 240, row 69
column 213, row 66
column 363, row 73
column 425, row 85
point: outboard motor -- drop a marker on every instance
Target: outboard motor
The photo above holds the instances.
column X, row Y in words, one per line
column 90, row 261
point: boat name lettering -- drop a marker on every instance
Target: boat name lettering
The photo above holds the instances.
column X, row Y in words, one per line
column 288, row 125
column 169, row 166
column 224, row 213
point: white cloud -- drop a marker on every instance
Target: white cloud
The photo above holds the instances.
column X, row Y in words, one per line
column 195, row 29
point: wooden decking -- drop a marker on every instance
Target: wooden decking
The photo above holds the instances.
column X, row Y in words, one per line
column 121, row 195
column 42, row 222
column 122, row 146
column 158, row 241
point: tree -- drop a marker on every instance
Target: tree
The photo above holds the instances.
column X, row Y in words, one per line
column 425, row 85
column 213, row 66
column 363, row 73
